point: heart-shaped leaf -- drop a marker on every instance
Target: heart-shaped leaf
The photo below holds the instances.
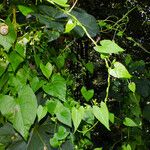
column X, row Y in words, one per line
column 77, row 116
column 57, row 87
column 119, row 71
column 108, row 47
column 102, row 114
column 46, row 70
column 21, row 111
column 41, row 112
column 87, row 94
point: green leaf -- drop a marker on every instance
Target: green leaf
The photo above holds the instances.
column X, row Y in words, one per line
column 46, row 70
column 54, row 142
column 62, row 133
column 36, row 83
column 87, row 20
column 132, row 86
column 111, row 117
column 25, row 10
column 126, row 147
column 87, row 94
column 60, row 2
column 77, row 116
column 119, row 71
column 129, row 122
column 64, row 116
column 57, row 87
column 52, row 35
column 8, row 40
column 102, row 114
column 21, row 111
column 41, row 112
column 108, row 47
column 90, row 67
column 70, row 25
column 51, row 106
column 15, row 59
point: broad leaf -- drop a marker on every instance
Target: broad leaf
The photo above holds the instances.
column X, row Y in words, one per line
column 108, row 47
column 64, row 116
column 21, row 111
column 15, row 59
column 102, row 114
column 47, row 69
column 129, row 122
column 119, row 71
column 57, row 87
column 87, row 20
column 87, row 94
column 8, row 40
column 77, row 116
column 25, row 10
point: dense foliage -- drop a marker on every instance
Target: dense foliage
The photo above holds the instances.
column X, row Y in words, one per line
column 69, row 80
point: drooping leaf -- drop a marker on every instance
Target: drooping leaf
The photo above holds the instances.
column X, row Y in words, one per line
column 8, row 40
column 21, row 111
column 132, row 86
column 41, row 112
column 102, row 114
column 57, row 87
column 25, row 10
column 47, row 69
column 77, row 116
column 87, row 20
column 119, row 71
column 129, row 122
column 87, row 94
column 108, row 47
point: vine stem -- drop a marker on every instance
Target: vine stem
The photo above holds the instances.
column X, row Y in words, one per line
column 108, row 82
column 73, row 6
column 84, row 132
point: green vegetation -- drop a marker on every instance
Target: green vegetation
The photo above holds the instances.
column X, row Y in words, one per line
column 65, row 85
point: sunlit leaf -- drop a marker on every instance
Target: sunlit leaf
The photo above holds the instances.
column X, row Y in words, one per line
column 77, row 116
column 102, row 114
column 119, row 71
column 129, row 122
column 108, row 47
column 87, row 94
column 132, row 86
